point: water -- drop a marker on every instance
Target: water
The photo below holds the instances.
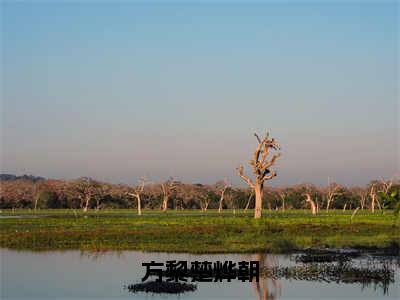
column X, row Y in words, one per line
column 77, row 275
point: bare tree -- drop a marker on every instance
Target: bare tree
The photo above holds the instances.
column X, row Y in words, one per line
column 282, row 195
column 167, row 188
column 386, row 185
column 375, row 187
column 248, row 201
column 312, row 204
column 137, row 192
column 362, row 193
column 201, row 193
column 331, row 192
column 231, row 200
column 373, row 195
column 261, row 169
column 204, row 201
column 104, row 189
column 222, row 187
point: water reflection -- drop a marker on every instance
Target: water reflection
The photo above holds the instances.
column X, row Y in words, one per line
column 377, row 272
column 88, row 275
column 101, row 254
column 266, row 288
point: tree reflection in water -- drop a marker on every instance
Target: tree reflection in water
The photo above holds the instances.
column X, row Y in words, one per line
column 98, row 255
column 266, row 288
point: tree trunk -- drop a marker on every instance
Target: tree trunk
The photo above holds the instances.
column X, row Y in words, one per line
column 220, row 206
column 312, row 203
column 248, row 203
column 221, row 200
column 165, row 203
column 379, row 204
column 258, row 191
column 373, row 204
column 139, row 206
column 85, row 209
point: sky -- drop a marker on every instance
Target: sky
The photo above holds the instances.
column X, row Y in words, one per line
column 117, row 91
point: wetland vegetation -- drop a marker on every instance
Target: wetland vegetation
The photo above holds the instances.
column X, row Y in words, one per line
column 196, row 231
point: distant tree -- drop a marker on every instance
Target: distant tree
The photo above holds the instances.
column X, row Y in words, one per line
column 282, row 194
column 203, row 195
column 248, row 200
column 392, row 201
column 167, row 188
column 85, row 189
column 137, row 192
column 17, row 193
column 373, row 195
column 310, row 193
column 331, row 192
column 221, row 187
column 389, row 196
column 362, row 194
column 49, row 199
column 313, row 206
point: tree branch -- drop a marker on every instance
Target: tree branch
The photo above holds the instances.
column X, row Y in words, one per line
column 271, row 162
column 240, row 172
column 272, row 175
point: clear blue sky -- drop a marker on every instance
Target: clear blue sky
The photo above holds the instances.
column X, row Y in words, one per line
column 119, row 91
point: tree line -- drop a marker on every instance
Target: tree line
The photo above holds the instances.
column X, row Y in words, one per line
column 89, row 194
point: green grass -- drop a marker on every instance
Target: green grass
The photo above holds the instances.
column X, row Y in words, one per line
column 194, row 231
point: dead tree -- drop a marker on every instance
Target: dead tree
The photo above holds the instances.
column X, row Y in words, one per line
column 261, row 169
column 248, row 201
column 317, row 204
column 386, row 185
column 222, row 191
column 312, row 204
column 201, row 193
column 282, row 195
column 375, row 187
column 167, row 188
column 372, row 194
column 362, row 193
column 331, row 193
column 137, row 192
column 204, row 202
column 384, row 188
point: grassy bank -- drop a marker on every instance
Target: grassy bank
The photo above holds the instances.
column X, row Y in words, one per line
column 194, row 231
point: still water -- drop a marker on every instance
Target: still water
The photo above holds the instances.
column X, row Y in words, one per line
column 79, row 275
